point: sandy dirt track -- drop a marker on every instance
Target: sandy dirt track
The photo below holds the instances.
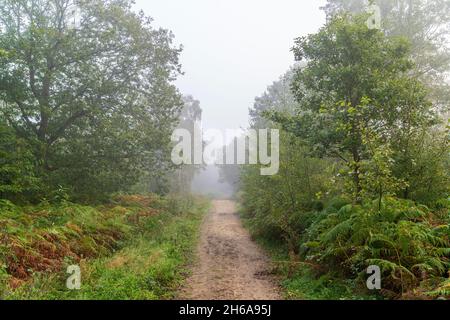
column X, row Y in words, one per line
column 230, row 265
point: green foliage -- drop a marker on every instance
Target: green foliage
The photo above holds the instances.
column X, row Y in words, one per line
column 278, row 205
column 304, row 280
column 425, row 23
column 356, row 82
column 189, row 119
column 362, row 152
column 377, row 178
column 442, row 291
column 42, row 238
column 16, row 166
column 408, row 242
column 278, row 96
column 124, row 257
column 423, row 165
column 306, row 284
column 84, row 97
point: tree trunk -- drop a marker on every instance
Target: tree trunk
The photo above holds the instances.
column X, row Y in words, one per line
column 356, row 179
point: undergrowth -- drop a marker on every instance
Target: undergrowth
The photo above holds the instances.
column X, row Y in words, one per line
column 410, row 243
column 302, row 280
column 133, row 248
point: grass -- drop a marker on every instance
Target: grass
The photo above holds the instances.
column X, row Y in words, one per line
column 300, row 281
column 151, row 263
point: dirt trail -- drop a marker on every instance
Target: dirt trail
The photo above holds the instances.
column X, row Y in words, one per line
column 230, row 266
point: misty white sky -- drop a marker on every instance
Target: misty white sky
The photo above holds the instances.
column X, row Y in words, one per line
column 233, row 49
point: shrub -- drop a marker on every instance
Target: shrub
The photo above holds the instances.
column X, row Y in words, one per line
column 46, row 237
column 409, row 243
column 17, row 179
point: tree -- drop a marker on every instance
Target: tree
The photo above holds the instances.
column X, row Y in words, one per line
column 278, row 206
column 278, row 96
column 93, row 98
column 189, row 119
column 425, row 23
column 16, row 166
column 361, row 113
column 355, row 79
column 423, row 164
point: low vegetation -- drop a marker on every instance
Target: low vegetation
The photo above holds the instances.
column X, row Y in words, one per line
column 409, row 243
column 134, row 248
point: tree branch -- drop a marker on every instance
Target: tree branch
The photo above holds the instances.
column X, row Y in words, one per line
column 26, row 118
column 60, row 131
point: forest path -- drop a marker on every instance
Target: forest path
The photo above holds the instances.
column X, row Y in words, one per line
column 230, row 265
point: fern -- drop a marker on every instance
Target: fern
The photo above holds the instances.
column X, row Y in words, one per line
column 399, row 238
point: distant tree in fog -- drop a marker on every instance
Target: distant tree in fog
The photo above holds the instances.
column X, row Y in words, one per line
column 426, row 24
column 190, row 117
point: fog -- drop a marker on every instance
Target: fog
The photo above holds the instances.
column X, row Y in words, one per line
column 207, row 183
column 233, row 50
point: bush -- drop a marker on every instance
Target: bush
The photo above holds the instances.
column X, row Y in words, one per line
column 45, row 238
column 409, row 243
column 17, row 179
column 279, row 206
